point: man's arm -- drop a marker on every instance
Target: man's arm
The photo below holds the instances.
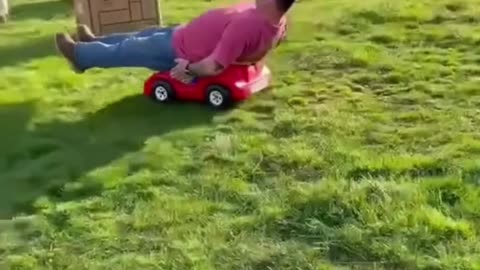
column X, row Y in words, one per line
column 205, row 67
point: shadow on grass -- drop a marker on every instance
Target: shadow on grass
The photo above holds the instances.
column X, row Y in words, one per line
column 45, row 10
column 40, row 162
column 28, row 50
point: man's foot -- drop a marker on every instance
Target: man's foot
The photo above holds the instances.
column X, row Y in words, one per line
column 66, row 46
column 84, row 34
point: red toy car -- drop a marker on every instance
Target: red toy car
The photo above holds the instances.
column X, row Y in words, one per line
column 236, row 83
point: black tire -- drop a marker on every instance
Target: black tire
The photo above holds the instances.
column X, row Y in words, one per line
column 163, row 92
column 219, row 97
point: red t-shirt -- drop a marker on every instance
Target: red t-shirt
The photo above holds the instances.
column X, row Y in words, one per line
column 239, row 33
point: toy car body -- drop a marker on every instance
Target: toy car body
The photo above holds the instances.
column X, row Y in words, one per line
column 237, row 83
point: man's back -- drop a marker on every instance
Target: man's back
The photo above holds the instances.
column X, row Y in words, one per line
column 241, row 31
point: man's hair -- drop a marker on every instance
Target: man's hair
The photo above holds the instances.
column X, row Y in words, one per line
column 284, row 5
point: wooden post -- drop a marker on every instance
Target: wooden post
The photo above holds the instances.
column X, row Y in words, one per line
column 116, row 16
column 160, row 14
column 4, row 11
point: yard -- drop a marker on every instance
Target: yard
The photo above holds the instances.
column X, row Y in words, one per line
column 365, row 152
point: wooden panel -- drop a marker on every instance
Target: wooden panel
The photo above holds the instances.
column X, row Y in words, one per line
column 127, row 27
column 136, row 11
column 149, row 9
column 107, row 5
column 112, row 17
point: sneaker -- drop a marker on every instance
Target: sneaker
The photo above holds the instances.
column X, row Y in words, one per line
column 66, row 46
column 84, row 34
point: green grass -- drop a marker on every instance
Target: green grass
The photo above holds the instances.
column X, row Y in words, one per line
column 365, row 152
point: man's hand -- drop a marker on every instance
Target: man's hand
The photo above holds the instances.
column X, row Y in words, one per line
column 180, row 71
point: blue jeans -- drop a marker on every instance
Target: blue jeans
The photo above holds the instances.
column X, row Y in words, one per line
column 151, row 48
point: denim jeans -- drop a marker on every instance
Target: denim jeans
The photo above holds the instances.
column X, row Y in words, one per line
column 151, row 48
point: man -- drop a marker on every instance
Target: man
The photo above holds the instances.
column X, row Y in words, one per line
column 207, row 45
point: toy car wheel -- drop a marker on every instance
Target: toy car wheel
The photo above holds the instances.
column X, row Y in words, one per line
column 218, row 96
column 163, row 92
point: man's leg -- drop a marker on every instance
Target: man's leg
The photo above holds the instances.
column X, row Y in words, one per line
column 153, row 52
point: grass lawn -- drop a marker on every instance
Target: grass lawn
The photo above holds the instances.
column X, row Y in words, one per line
column 365, row 152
